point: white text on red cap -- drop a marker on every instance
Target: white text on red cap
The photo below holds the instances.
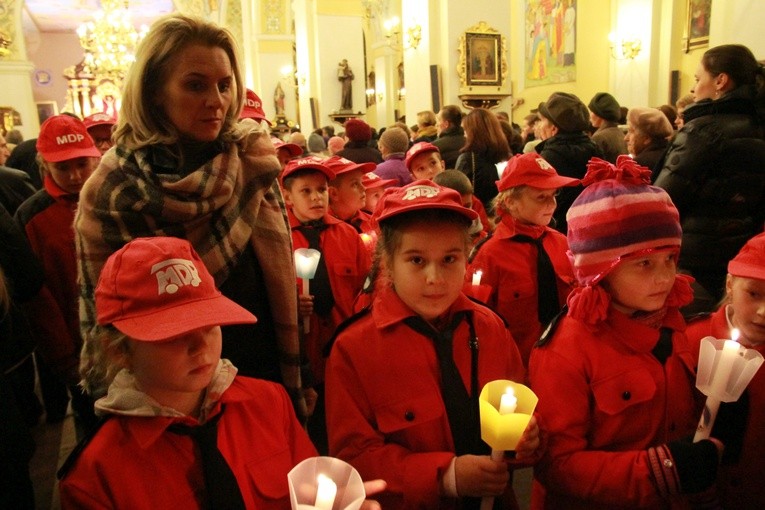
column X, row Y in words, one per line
column 420, row 191
column 179, row 272
column 543, row 164
column 69, row 138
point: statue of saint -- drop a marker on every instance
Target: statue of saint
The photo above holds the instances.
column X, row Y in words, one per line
column 279, row 99
column 345, row 76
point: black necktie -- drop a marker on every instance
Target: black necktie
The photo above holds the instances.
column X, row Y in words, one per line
column 461, row 409
column 548, row 305
column 663, row 348
column 220, row 483
column 323, row 300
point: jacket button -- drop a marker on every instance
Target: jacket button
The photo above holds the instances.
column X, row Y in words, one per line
column 409, row 416
column 626, row 395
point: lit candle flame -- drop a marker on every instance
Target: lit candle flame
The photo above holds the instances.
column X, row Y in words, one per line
column 735, row 333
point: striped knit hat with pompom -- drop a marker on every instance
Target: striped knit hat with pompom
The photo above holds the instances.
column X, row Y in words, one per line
column 618, row 215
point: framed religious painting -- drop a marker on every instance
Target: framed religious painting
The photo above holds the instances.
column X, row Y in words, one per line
column 482, row 58
column 482, row 66
column 699, row 17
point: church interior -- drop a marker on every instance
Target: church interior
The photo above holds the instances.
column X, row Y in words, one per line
column 405, row 56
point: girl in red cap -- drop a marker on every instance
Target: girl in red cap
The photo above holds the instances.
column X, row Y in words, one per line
column 525, row 262
column 403, row 377
column 179, row 428
column 615, row 375
column 739, row 423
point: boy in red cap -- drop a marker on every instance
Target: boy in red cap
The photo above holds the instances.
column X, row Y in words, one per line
column 68, row 156
column 424, row 161
column 615, row 375
column 100, row 126
column 739, row 424
column 286, row 151
column 396, row 408
column 346, row 191
column 253, row 108
column 374, row 186
column 340, row 275
column 525, row 261
column 182, row 430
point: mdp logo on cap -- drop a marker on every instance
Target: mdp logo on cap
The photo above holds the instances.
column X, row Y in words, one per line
column 173, row 274
column 420, row 191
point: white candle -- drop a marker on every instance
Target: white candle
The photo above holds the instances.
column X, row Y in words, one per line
column 304, row 265
column 735, row 333
column 508, row 401
column 477, row 277
column 724, row 368
column 325, row 492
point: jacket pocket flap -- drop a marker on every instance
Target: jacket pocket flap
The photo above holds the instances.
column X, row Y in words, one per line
column 409, row 412
column 617, row 393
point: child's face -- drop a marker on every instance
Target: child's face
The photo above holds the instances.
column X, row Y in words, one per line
column 747, row 304
column 308, row 197
column 174, row 372
column 428, row 268
column 373, row 196
column 347, row 194
column 71, row 174
column 534, row 206
column 427, row 166
column 643, row 282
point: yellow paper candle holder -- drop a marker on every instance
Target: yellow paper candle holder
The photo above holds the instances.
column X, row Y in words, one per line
column 503, row 431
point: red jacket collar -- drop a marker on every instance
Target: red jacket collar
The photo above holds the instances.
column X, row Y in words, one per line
column 388, row 308
column 294, row 222
column 640, row 337
column 508, row 228
column 55, row 191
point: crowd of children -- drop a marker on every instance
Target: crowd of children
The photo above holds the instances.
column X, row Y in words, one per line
column 395, row 342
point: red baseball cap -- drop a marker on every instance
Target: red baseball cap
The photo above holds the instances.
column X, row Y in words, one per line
column 155, row 288
column 372, row 180
column 531, row 169
column 98, row 119
column 417, row 149
column 422, row 194
column 309, row 163
column 63, row 137
column 293, row 148
column 341, row 165
column 253, row 108
column 750, row 261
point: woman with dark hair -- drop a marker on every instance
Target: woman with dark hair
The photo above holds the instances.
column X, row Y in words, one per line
column 485, row 146
column 715, row 166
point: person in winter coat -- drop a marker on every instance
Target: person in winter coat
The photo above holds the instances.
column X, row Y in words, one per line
column 605, row 113
column 451, row 136
column 176, row 415
column 357, row 148
column 714, row 170
column 648, row 135
column 615, row 374
column 740, row 423
column 528, row 289
column 563, row 120
column 403, row 377
column 485, row 146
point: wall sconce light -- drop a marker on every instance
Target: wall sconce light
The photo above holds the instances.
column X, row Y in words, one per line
column 380, row 96
column 292, row 78
column 401, row 93
column 624, row 48
column 392, row 28
column 370, row 96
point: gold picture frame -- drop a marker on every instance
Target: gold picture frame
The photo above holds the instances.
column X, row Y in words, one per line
column 483, row 61
column 697, row 26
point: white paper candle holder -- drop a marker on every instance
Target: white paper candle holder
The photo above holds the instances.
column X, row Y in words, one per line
column 304, row 485
column 725, row 369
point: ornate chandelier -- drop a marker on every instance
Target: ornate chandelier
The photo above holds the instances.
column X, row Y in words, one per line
column 110, row 40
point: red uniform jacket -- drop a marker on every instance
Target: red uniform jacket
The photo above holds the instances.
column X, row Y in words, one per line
column 604, row 399
column 510, row 268
column 348, row 264
column 134, row 463
column 385, row 414
column 47, row 219
column 739, row 485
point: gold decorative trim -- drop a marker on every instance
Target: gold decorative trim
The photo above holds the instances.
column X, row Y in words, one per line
column 482, row 65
